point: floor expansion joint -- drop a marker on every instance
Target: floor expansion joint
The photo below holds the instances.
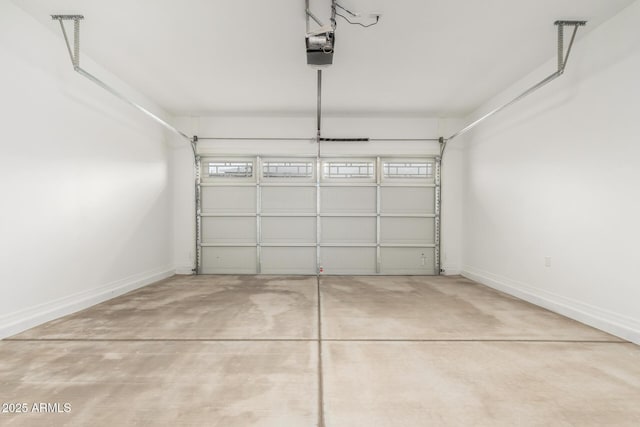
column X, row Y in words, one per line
column 321, row 422
column 321, row 340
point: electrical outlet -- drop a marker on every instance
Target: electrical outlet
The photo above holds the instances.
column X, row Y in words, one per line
column 547, row 261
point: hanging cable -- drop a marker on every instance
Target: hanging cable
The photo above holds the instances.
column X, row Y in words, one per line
column 359, row 23
column 334, row 13
column 346, row 10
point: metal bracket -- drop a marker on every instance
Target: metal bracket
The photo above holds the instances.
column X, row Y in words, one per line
column 67, row 17
column 198, row 218
column 572, row 23
column 309, row 14
column 75, row 53
column 344, row 139
column 438, row 218
column 562, row 64
column 197, row 201
column 314, row 17
column 562, row 57
column 443, row 145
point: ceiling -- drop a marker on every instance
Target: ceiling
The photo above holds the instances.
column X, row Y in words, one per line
column 425, row 57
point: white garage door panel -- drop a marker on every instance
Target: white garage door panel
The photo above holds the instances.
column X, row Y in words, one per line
column 349, row 260
column 407, row 260
column 289, row 200
column 407, row 230
column 229, row 230
column 407, row 200
column 348, row 230
column 288, row 229
column 273, row 215
column 282, row 260
column 348, row 200
column 228, row 200
column 228, row 260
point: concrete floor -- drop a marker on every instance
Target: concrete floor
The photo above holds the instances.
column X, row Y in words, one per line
column 381, row 351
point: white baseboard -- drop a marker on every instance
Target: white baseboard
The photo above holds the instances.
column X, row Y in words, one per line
column 451, row 270
column 184, row 270
column 16, row 322
column 615, row 324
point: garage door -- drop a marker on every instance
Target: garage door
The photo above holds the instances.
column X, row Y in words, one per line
column 332, row 216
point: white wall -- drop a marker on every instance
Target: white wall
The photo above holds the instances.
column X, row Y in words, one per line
column 557, row 176
column 303, row 127
column 85, row 210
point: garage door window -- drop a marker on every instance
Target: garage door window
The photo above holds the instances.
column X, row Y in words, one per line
column 349, row 170
column 287, row 170
column 408, row 170
column 228, row 171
